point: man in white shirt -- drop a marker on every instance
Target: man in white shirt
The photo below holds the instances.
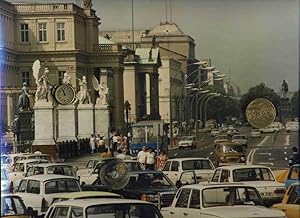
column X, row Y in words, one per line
column 141, row 157
column 150, row 159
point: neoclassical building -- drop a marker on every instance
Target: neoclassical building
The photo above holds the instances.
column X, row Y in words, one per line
column 64, row 37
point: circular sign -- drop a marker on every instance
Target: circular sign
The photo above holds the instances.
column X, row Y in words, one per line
column 64, row 94
column 260, row 113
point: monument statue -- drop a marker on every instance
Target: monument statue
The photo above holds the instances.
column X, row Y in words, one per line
column 24, row 102
column 67, row 79
column 42, row 81
column 284, row 88
column 102, row 91
column 153, row 41
column 83, row 95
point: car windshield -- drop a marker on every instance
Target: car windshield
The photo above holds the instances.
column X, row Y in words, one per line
column 229, row 196
column 19, row 167
column 3, row 175
column 61, row 170
column 148, row 181
column 62, row 185
column 123, row 210
column 12, row 206
column 232, row 148
column 186, row 138
column 239, row 137
column 196, row 164
column 252, row 174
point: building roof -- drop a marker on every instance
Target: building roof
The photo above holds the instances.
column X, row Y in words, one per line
column 147, row 55
column 166, row 29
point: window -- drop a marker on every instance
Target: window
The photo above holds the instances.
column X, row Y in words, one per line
column 61, row 212
column 216, row 176
column 60, row 186
column 22, row 186
column 60, row 32
column 224, row 176
column 76, row 212
column 25, row 78
column 61, row 76
column 42, row 27
column 33, row 187
column 175, row 165
column 195, row 199
column 294, row 196
column 167, row 166
column 24, row 33
column 183, row 198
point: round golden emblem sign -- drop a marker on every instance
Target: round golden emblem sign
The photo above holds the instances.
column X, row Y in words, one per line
column 260, row 113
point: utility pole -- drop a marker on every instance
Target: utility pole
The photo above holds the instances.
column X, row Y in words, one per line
column 132, row 24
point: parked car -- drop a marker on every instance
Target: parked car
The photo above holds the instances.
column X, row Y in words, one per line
column 220, row 138
column 240, row 139
column 13, row 206
column 84, row 195
column 227, row 153
column 214, row 132
column 203, row 168
column 232, row 132
column 255, row 133
column 51, row 168
column 187, row 142
column 8, row 160
column 224, row 127
column 108, row 207
column 218, row 200
column 292, row 126
column 5, row 182
column 91, row 176
column 26, row 156
column 38, row 191
column 260, row 177
column 293, row 175
column 152, row 186
column 272, row 128
column 290, row 204
column 91, row 164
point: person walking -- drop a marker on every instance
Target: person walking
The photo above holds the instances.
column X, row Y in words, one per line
column 97, row 144
column 150, row 159
column 161, row 160
column 92, row 143
column 141, row 157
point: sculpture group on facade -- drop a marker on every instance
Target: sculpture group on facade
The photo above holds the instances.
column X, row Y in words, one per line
column 83, row 95
column 102, row 89
column 67, row 79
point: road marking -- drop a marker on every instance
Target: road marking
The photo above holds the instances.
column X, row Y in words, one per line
column 265, row 163
column 287, row 140
column 272, row 158
column 263, row 141
column 251, row 156
column 267, row 153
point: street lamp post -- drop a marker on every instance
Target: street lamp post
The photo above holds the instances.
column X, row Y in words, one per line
column 127, row 108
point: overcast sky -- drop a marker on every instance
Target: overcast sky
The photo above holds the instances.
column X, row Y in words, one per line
column 255, row 40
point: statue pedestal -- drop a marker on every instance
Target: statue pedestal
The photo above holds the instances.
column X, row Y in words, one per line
column 101, row 120
column 85, row 120
column 67, row 130
column 25, row 131
column 44, row 128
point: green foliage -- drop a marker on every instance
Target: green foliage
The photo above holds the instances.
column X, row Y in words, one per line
column 259, row 91
column 295, row 104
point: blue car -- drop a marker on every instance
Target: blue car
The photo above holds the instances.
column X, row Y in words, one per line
column 293, row 175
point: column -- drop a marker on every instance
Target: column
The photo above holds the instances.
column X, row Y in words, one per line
column 9, row 110
column 118, row 99
column 154, row 97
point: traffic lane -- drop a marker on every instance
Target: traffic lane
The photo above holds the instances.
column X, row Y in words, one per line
column 204, row 152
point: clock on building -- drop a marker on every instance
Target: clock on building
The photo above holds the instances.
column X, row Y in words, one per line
column 64, row 94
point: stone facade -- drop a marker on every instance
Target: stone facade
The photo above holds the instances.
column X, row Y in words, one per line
column 64, row 37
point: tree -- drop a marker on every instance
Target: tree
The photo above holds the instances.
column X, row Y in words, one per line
column 259, row 91
column 295, row 104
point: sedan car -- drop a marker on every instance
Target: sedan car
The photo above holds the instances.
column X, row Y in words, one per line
column 51, row 168
column 255, row 133
column 108, row 207
column 240, row 139
column 187, row 142
column 220, row 138
column 218, row 200
column 38, row 191
column 13, row 206
column 214, row 132
column 293, row 175
column 290, row 204
column 260, row 177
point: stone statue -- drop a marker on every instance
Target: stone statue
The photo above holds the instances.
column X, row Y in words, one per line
column 42, row 81
column 284, row 88
column 87, row 3
column 102, row 91
column 83, row 95
column 153, row 41
column 67, row 79
column 24, row 102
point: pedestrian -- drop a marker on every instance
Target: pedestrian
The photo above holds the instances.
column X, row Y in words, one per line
column 141, row 157
column 295, row 158
column 102, row 144
column 97, row 144
column 161, row 160
column 150, row 159
column 37, row 151
column 92, row 143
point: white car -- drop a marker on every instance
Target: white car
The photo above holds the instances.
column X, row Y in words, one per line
column 8, row 160
column 103, row 208
column 13, row 206
column 203, row 168
column 292, row 126
column 272, row 128
column 260, row 177
column 233, row 200
column 214, row 132
column 187, row 142
column 91, row 176
column 26, row 156
column 220, row 138
column 255, row 133
column 240, row 139
column 51, row 168
column 38, row 191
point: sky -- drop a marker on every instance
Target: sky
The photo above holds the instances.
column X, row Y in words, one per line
column 251, row 41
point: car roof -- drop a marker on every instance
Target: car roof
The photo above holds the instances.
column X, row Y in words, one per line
column 47, row 177
column 51, row 164
column 229, row 143
column 30, row 160
column 234, row 167
column 188, row 158
column 74, row 195
column 215, row 184
column 104, row 201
